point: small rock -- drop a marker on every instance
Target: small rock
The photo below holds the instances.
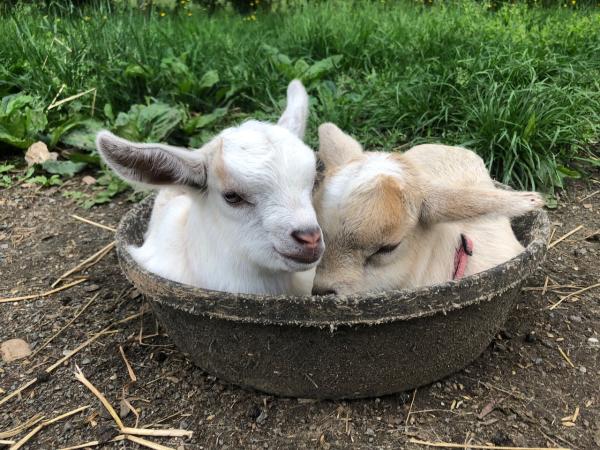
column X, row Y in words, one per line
column 86, row 361
column 88, row 180
column 38, row 154
column 14, row 349
column 370, row 432
column 582, row 369
column 371, row 440
column 593, row 341
column 91, row 288
column 262, row 417
column 538, row 361
column 580, row 252
column 575, row 319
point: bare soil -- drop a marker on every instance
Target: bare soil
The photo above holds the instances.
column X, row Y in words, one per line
column 519, row 392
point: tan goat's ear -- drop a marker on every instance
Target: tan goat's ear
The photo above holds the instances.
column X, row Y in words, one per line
column 153, row 164
column 446, row 204
column 336, row 148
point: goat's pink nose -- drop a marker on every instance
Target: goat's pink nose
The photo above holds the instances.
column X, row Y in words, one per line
column 308, row 238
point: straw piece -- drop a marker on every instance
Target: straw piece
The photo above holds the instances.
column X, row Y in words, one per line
column 580, row 291
column 491, row 447
column 563, row 237
column 37, row 350
column 42, row 294
column 78, row 348
column 69, row 99
column 410, row 408
column 84, row 445
column 88, row 262
column 129, row 368
column 81, row 378
column 26, row 438
column 564, row 355
column 45, row 423
column 590, row 195
column 17, row 391
column 21, row 427
column 91, row 222
column 65, row 415
column 170, row 432
column 146, row 443
column 5, row 442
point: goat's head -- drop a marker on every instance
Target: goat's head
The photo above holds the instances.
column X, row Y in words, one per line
column 373, row 206
column 255, row 181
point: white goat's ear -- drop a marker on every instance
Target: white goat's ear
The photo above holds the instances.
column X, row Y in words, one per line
column 152, row 164
column 296, row 111
column 446, row 204
column 336, row 148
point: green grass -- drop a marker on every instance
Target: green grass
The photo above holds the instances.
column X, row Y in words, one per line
column 521, row 86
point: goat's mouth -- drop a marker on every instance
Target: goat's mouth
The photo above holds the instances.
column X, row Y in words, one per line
column 301, row 258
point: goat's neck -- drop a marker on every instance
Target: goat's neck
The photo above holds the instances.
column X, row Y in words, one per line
column 432, row 251
column 218, row 264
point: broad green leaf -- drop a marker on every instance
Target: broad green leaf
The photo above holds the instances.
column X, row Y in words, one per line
column 209, row 79
column 202, row 120
column 82, row 135
column 22, row 118
column 64, row 168
column 321, row 68
column 568, row 172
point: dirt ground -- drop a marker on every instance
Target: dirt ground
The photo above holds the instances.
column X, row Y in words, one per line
column 520, row 392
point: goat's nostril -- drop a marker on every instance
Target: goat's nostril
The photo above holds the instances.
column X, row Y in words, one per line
column 308, row 238
column 323, row 291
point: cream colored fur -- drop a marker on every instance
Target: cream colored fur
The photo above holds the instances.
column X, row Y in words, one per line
column 423, row 199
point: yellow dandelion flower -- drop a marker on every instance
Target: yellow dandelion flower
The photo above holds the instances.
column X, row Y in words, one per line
column 189, row 14
column 163, row 14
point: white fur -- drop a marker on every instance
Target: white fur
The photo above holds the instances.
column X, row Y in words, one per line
column 195, row 237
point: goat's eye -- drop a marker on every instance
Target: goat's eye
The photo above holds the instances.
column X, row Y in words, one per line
column 232, row 198
column 383, row 250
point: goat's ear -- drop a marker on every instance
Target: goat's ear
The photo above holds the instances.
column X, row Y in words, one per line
column 296, row 111
column 336, row 148
column 152, row 164
column 446, row 204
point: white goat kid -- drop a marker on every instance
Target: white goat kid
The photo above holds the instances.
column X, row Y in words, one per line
column 235, row 215
column 393, row 221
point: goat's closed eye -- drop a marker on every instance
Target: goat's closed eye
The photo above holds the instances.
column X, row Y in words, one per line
column 233, row 198
column 383, row 250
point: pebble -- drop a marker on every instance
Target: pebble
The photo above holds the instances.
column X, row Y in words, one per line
column 371, row 439
column 575, row 319
column 580, row 252
column 538, row 361
column 593, row 340
column 582, row 369
column 91, row 288
column 370, row 432
column 530, row 337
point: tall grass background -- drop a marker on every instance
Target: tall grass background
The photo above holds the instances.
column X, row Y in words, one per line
column 519, row 85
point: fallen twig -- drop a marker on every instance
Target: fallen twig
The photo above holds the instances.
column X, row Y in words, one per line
column 563, row 237
column 491, row 447
column 21, row 427
column 410, row 408
column 129, row 368
column 84, row 445
column 564, row 355
column 91, row 222
column 580, row 291
column 73, row 352
column 87, row 263
column 147, row 443
column 45, row 423
column 590, row 195
column 82, row 379
column 169, row 432
column 42, row 294
column 37, row 350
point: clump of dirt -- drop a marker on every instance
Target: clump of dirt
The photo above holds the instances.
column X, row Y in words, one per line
column 535, row 385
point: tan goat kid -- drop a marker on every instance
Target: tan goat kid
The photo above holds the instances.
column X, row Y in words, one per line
column 427, row 216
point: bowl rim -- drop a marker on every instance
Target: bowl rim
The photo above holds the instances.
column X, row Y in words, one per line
column 332, row 310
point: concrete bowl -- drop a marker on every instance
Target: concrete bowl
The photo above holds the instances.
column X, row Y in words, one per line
column 333, row 346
